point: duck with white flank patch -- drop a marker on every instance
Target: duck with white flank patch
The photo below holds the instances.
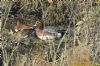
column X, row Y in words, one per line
column 46, row 35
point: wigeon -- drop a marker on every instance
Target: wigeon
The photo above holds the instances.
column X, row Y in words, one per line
column 22, row 30
column 22, row 27
column 46, row 35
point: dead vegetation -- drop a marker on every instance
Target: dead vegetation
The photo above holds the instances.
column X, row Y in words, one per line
column 80, row 19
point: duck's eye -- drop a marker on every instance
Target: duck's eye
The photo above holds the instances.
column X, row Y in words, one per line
column 37, row 22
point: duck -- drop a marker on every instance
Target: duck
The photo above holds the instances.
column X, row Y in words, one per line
column 22, row 30
column 43, row 34
column 20, row 27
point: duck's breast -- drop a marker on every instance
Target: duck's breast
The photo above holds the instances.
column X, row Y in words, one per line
column 44, row 35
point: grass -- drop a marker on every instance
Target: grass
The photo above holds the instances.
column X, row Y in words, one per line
column 80, row 47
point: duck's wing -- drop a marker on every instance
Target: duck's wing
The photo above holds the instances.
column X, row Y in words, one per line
column 52, row 34
column 49, row 30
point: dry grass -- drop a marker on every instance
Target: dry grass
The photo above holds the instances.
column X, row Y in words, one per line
column 80, row 48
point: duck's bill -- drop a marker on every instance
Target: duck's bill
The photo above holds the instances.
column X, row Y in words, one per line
column 34, row 25
column 16, row 30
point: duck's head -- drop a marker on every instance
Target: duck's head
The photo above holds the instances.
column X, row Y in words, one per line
column 38, row 25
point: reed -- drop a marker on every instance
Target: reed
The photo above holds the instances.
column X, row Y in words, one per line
column 80, row 47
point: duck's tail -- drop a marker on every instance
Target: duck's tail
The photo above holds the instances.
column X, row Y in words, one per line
column 61, row 33
column 64, row 32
